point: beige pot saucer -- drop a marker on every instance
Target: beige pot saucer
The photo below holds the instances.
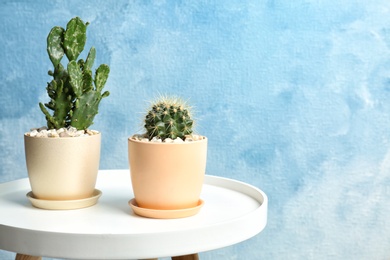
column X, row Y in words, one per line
column 64, row 204
column 165, row 214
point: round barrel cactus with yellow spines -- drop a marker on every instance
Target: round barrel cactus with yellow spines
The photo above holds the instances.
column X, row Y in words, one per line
column 168, row 118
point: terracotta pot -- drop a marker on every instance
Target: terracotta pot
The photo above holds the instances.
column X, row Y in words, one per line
column 167, row 176
column 62, row 168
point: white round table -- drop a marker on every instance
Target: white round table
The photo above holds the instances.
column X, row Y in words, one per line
column 233, row 212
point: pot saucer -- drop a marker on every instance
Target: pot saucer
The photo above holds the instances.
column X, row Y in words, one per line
column 165, row 214
column 65, row 204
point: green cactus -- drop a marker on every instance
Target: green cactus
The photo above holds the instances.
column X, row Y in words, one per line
column 75, row 93
column 168, row 118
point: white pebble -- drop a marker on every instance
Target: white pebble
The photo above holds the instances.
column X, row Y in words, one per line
column 138, row 137
column 43, row 133
column 178, row 140
column 52, row 133
column 92, row 132
column 156, row 140
column 79, row 133
column 72, row 129
column 33, row 133
column 64, row 134
column 168, row 140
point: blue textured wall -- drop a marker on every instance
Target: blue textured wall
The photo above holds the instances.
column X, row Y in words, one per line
column 294, row 97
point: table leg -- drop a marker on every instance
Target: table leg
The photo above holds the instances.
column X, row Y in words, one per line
column 27, row 257
column 186, row 257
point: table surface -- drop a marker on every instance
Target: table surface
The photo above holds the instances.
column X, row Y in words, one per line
column 233, row 212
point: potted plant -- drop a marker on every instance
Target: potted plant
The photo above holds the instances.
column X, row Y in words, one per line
column 167, row 163
column 63, row 158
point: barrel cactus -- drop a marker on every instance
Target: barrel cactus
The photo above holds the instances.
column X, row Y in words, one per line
column 75, row 92
column 168, row 118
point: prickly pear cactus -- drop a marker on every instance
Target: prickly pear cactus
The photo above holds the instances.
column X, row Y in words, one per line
column 168, row 118
column 75, row 92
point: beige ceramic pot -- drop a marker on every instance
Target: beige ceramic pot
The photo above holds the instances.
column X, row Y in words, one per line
column 62, row 168
column 167, row 176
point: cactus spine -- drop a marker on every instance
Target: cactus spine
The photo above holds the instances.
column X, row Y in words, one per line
column 168, row 118
column 74, row 93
